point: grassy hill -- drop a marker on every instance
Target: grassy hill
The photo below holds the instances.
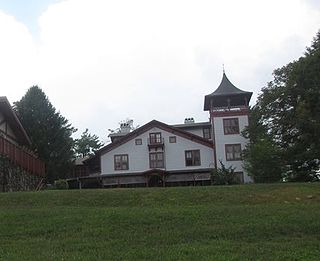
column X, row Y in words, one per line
column 248, row 222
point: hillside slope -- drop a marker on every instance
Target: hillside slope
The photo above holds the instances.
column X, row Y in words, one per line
column 258, row 222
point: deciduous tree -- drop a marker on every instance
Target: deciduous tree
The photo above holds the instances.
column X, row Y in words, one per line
column 288, row 119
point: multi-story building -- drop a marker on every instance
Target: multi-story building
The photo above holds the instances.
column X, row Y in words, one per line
column 158, row 154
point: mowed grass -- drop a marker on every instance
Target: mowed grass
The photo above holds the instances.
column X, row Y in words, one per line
column 245, row 222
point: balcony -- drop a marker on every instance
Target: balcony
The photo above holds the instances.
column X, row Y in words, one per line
column 21, row 157
column 156, row 143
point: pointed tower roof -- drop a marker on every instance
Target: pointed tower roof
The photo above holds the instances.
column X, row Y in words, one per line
column 226, row 95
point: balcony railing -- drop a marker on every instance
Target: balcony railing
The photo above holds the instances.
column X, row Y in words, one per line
column 22, row 157
column 154, row 143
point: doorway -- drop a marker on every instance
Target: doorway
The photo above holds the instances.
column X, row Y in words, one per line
column 155, row 181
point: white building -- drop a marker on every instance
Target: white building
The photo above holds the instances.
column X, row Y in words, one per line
column 157, row 154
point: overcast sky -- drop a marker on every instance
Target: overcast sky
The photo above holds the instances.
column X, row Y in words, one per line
column 102, row 61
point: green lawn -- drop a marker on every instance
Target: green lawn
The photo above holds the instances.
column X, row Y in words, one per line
column 248, row 222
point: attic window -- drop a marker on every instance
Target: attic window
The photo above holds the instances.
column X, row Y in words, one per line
column 172, row 139
column 138, row 141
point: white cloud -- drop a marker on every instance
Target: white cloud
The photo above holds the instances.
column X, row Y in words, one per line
column 17, row 57
column 102, row 61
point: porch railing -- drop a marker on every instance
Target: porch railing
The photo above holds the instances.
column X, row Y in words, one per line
column 22, row 157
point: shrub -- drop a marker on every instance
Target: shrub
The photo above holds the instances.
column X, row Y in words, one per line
column 61, row 184
column 223, row 175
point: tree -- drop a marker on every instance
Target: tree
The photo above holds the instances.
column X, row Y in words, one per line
column 49, row 131
column 262, row 157
column 288, row 112
column 87, row 144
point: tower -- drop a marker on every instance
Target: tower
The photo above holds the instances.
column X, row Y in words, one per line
column 229, row 110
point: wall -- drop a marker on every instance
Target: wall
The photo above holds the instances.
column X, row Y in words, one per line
column 15, row 178
column 7, row 131
column 139, row 154
column 221, row 139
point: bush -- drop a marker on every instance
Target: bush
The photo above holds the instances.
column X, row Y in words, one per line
column 223, row 175
column 61, row 184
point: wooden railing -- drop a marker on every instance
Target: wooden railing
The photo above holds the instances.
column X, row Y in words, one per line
column 22, row 157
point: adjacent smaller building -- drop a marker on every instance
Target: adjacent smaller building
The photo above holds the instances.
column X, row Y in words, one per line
column 20, row 168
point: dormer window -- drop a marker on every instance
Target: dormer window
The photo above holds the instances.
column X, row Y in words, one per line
column 155, row 138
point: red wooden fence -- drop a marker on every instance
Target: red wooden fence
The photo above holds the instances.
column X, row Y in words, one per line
column 21, row 157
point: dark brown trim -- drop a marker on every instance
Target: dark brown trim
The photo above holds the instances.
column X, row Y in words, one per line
column 9, row 136
column 149, row 126
column 233, row 145
column 213, row 142
column 227, row 113
column 149, row 171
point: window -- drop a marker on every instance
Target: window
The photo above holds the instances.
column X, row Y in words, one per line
column 138, row 141
column 156, row 160
column 121, row 162
column 233, row 152
column 192, row 157
column 155, row 138
column 172, row 139
column 207, row 133
column 231, row 126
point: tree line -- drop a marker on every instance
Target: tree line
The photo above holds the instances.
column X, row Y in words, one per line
column 285, row 123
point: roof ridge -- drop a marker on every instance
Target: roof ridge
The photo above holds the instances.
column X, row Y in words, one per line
column 146, row 127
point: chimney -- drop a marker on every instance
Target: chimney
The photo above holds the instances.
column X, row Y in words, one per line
column 124, row 128
column 188, row 120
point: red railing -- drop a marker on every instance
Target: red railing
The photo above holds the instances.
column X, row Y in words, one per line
column 21, row 157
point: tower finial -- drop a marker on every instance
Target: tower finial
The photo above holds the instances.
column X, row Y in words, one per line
column 223, row 68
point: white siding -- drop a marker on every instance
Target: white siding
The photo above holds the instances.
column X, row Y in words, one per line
column 221, row 140
column 139, row 154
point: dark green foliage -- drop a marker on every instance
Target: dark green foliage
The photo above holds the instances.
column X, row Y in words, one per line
column 87, row 144
column 247, row 222
column 49, row 131
column 4, row 171
column 262, row 156
column 223, row 175
column 61, row 184
column 263, row 162
column 286, row 121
